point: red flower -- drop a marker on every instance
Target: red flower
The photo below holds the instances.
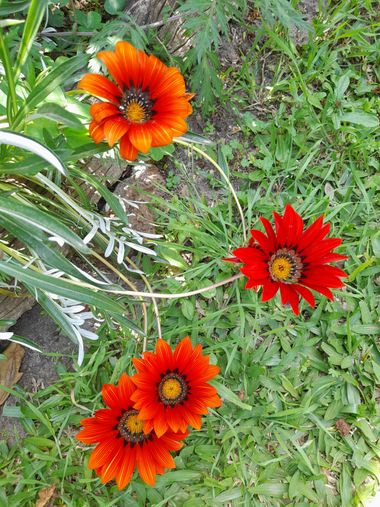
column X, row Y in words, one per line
column 291, row 259
column 172, row 387
column 122, row 444
column 146, row 104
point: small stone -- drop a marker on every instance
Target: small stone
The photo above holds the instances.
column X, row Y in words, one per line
column 342, row 427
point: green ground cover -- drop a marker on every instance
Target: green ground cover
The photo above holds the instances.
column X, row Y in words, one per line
column 300, row 422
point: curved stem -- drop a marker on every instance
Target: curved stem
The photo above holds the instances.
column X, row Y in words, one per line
column 224, row 176
column 128, row 282
column 154, row 302
column 179, row 295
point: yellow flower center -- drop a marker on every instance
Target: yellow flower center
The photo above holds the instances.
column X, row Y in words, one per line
column 135, row 112
column 131, row 428
column 133, row 424
column 171, row 388
column 281, row 268
column 285, row 266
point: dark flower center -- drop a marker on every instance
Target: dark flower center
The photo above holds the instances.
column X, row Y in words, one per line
column 285, row 266
column 131, row 428
column 136, row 105
column 173, row 388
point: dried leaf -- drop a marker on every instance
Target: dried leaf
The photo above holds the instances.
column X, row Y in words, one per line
column 9, row 368
column 44, row 496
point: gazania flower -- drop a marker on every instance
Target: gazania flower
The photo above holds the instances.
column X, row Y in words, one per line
column 292, row 259
column 146, row 103
column 172, row 387
column 122, row 444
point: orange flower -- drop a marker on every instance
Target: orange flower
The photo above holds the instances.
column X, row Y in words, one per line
column 172, row 388
column 146, row 105
column 122, row 444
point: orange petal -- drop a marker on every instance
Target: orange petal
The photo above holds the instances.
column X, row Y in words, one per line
column 103, row 110
column 161, row 454
column 112, row 62
column 140, row 137
column 127, row 150
column 161, row 135
column 96, row 131
column 176, row 106
column 111, row 468
column 173, row 84
column 129, row 61
column 100, row 86
column 103, row 453
column 125, row 387
column 160, row 425
column 146, row 465
column 110, row 395
column 93, row 435
column 114, row 129
column 176, row 123
column 154, row 72
column 127, row 467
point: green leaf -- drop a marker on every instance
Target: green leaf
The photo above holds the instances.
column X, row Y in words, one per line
column 26, row 342
column 40, row 442
column 57, row 113
column 12, row 6
column 35, row 240
column 187, row 308
column 275, row 489
column 110, row 198
column 114, row 6
column 26, row 143
column 228, row 395
column 61, row 287
column 368, row 329
column 227, row 496
column 360, row 118
column 10, row 22
column 189, row 137
column 42, row 220
column 36, row 11
column 341, row 86
column 47, row 83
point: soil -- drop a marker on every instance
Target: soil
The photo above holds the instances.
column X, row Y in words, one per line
column 39, row 370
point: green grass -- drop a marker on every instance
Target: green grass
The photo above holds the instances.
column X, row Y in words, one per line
column 309, row 137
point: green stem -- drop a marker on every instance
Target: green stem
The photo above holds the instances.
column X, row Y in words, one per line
column 224, row 176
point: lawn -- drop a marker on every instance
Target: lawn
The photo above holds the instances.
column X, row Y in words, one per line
column 288, row 108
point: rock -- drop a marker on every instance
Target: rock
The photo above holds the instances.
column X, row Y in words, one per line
column 145, row 179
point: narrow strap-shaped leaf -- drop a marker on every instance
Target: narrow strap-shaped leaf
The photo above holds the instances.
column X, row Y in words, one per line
column 35, row 239
column 12, row 6
column 42, row 220
column 61, row 287
column 47, row 84
column 26, row 143
column 12, row 97
column 36, row 11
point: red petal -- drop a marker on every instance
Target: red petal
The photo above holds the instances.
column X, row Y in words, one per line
column 305, row 293
column 110, row 395
column 269, row 291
